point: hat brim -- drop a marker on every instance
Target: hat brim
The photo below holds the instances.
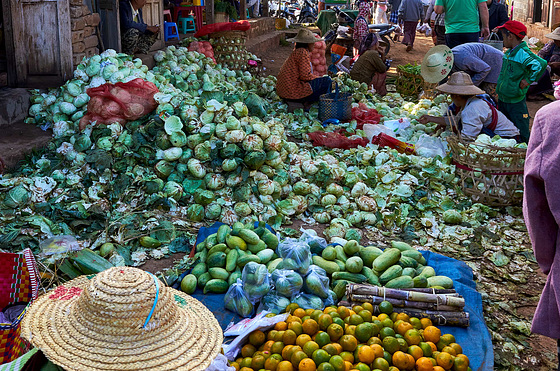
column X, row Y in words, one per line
column 75, row 341
column 304, row 40
column 431, row 76
column 460, row 89
column 552, row 36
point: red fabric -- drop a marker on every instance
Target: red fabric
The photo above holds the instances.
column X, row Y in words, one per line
column 224, row 26
column 364, row 115
column 336, row 140
column 120, row 102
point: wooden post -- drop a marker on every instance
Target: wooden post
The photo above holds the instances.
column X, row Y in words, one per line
column 209, row 4
column 243, row 9
column 264, row 8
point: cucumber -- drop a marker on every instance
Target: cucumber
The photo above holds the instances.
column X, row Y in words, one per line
column 402, row 282
column 201, row 246
column 390, row 273
column 351, row 247
column 368, row 255
column 270, row 239
column 216, row 286
column 354, row 277
column 236, row 242
column 234, row 276
column 217, row 260
column 389, row 257
column 149, row 242
column 271, row 266
column 371, row 277
column 414, row 254
column 249, row 237
column 423, row 260
column 203, row 280
column 222, row 233
column 411, row 272
column 259, row 246
column 188, row 284
column 419, row 269
column 218, row 273
column 405, row 262
column 340, row 288
column 211, row 240
column 265, row 255
column 217, row 248
column 428, row 272
column 231, row 260
column 341, row 265
column 340, row 255
column 199, row 269
column 402, row 246
column 328, row 266
column 242, row 261
column 329, row 253
column 261, row 229
column 202, row 256
column 420, row 281
column 443, row 281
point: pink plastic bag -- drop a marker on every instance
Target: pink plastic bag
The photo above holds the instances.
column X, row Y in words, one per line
column 120, row 102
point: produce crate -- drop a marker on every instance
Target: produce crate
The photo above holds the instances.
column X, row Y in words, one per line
column 489, row 174
column 229, row 48
column 411, row 85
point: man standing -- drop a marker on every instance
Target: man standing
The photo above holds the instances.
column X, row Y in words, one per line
column 497, row 14
column 462, row 20
column 136, row 36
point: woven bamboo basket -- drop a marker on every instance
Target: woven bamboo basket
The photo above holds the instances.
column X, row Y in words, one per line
column 488, row 174
column 229, row 38
column 412, row 85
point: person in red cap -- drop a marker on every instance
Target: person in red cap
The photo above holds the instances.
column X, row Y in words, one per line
column 520, row 68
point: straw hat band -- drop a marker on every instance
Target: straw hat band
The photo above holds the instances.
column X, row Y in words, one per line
column 98, row 324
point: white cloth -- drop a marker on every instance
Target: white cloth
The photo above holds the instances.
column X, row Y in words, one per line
column 478, row 114
column 381, row 16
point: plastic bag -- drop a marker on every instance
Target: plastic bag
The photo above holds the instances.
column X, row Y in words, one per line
column 428, row 146
column 237, row 301
column 287, row 282
column 274, row 303
column 308, row 301
column 59, row 245
column 220, row 363
column 374, row 130
column 429, row 31
column 397, row 126
column 316, row 282
column 120, row 102
column 331, row 299
column 335, row 140
column 296, row 255
column 364, row 115
column 256, row 281
column 316, row 244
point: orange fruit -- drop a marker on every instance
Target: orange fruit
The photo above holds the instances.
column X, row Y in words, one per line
column 285, row 366
column 458, row 349
column 374, row 340
column 324, row 321
column 382, row 316
column 403, row 327
column 296, row 358
column 310, row 327
column 257, row 338
column 368, row 307
column 322, row 338
column 337, row 362
column 432, row 345
column 362, row 367
column 271, row 334
column 300, row 312
column 277, row 347
column 412, row 337
column 400, row 360
column 338, row 348
column 366, row 354
column 316, row 314
column 445, row 360
column 390, row 344
column 415, row 351
column 246, row 369
column 426, row 349
column 381, row 364
column 416, row 323
column 348, row 342
column 320, row 356
column 343, row 312
column 248, row 350
column 286, row 352
column 357, row 308
column 424, row 364
column 281, row 326
column 310, row 347
column 348, row 366
column 449, row 350
column 331, row 349
column 335, row 331
column 432, row 334
column 309, row 312
column 303, row 339
column 403, row 316
column 307, row 364
column 296, row 327
column 347, row 356
column 291, row 308
column 293, row 319
column 289, row 337
column 329, row 309
column 445, row 340
column 377, row 350
column 425, row 322
column 272, row 362
column 267, row 347
column 438, row 368
column 235, row 365
column 461, row 363
column 366, row 315
column 350, row 330
column 258, row 362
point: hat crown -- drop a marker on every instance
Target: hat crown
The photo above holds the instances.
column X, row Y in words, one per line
column 460, row 79
column 119, row 301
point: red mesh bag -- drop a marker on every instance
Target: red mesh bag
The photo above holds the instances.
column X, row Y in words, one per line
column 120, row 102
column 364, row 115
column 224, row 26
column 336, row 140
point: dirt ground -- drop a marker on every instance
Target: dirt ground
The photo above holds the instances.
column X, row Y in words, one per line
column 19, row 139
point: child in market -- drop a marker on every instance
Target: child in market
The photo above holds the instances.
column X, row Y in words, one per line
column 520, row 68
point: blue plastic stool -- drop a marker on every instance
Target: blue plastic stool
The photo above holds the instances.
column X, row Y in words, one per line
column 186, row 24
column 170, row 31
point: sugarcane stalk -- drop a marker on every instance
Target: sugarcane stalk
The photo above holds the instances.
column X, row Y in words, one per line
column 403, row 303
column 453, row 301
column 360, row 288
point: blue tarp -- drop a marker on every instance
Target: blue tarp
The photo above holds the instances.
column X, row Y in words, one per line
column 475, row 339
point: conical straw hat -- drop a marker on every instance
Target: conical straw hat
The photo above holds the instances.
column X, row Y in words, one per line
column 305, row 36
column 437, row 64
column 460, row 83
column 554, row 35
column 122, row 319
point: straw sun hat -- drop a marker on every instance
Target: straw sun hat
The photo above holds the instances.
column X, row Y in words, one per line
column 304, row 36
column 460, row 83
column 437, row 64
column 554, row 35
column 122, row 319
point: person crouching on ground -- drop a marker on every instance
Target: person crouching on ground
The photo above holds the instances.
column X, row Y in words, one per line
column 410, row 11
column 136, row 36
column 520, row 68
column 370, row 67
column 473, row 114
column 361, row 23
column 296, row 81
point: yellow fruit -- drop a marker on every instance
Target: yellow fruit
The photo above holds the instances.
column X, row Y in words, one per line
column 302, row 340
column 445, row 360
column 258, row 362
column 285, row 366
column 415, row 351
column 335, row 331
column 296, row 327
column 281, row 326
column 310, row 347
column 299, row 312
column 366, row 354
column 297, row 357
column 412, row 337
column 324, row 321
column 248, row 350
column 348, row 342
column 307, row 364
column 277, row 347
column 343, row 312
column 310, row 327
column 461, row 363
column 289, row 337
column 424, row 364
column 432, row 334
column 257, row 338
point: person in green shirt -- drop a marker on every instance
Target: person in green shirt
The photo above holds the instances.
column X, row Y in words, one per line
column 520, row 68
column 462, row 20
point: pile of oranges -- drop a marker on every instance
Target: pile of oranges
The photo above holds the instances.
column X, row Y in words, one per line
column 344, row 339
